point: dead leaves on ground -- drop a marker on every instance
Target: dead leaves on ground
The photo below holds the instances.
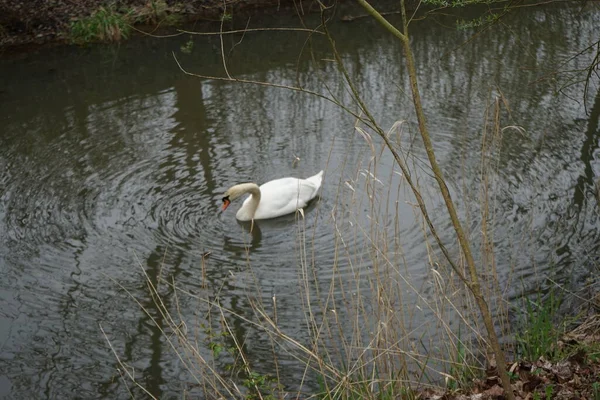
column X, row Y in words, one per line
column 577, row 376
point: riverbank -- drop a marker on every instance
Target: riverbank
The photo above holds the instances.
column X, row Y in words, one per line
column 24, row 25
column 40, row 22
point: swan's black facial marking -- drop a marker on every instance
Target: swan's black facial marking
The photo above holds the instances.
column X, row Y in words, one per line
column 226, row 202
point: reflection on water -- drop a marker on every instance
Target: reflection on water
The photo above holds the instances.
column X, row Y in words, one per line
column 114, row 162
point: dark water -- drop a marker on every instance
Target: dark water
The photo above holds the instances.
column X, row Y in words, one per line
column 114, row 162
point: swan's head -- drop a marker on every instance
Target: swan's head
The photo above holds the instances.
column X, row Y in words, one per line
column 231, row 194
column 226, row 202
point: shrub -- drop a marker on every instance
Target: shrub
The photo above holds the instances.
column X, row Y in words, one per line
column 105, row 25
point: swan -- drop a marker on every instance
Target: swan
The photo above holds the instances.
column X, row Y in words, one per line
column 274, row 198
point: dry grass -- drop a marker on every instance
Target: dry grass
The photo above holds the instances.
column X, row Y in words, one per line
column 376, row 326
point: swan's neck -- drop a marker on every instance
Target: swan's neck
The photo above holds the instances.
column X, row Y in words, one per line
column 249, row 207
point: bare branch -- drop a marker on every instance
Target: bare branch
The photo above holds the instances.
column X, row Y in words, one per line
column 244, row 31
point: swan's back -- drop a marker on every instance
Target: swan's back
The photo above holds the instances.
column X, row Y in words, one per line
column 286, row 195
column 316, row 180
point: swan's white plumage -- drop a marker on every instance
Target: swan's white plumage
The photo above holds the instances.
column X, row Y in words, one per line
column 277, row 197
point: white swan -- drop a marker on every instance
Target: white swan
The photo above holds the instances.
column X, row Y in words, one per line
column 274, row 198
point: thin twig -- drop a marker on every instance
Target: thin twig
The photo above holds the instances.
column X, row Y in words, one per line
column 248, row 30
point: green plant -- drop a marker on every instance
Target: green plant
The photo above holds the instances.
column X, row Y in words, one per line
column 461, row 370
column 187, row 47
column 226, row 16
column 549, row 390
column 594, row 357
column 260, row 386
column 215, row 341
column 538, row 335
column 105, row 25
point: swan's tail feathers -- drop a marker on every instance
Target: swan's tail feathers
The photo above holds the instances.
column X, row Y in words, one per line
column 316, row 179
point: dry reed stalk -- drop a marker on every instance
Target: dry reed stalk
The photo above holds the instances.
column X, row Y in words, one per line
column 472, row 282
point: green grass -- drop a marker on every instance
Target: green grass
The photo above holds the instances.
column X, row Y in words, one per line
column 596, row 387
column 461, row 370
column 106, row 24
column 538, row 334
column 110, row 24
column 548, row 392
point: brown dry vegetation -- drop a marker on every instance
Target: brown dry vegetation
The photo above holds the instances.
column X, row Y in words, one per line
column 574, row 376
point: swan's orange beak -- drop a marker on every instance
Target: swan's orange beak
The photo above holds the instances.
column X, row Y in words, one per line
column 226, row 203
